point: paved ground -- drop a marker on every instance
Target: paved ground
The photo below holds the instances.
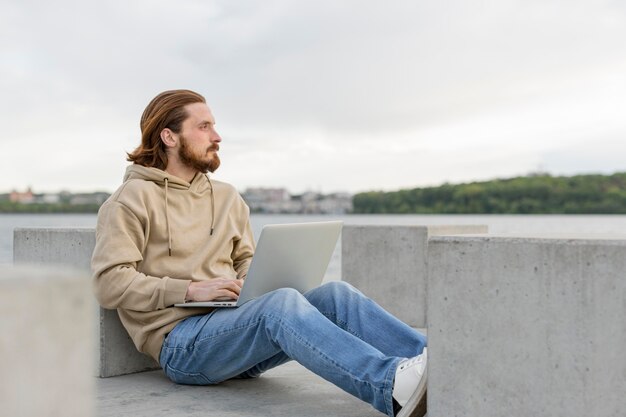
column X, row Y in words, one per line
column 289, row 390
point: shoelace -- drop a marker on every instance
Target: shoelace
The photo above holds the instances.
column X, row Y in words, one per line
column 412, row 361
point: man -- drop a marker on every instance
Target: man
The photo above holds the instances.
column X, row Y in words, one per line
column 170, row 234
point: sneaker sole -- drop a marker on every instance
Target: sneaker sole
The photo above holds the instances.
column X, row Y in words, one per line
column 416, row 405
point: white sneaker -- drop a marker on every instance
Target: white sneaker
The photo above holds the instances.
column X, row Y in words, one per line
column 409, row 389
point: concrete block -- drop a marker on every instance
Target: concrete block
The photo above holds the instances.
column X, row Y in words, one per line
column 45, row 344
column 54, row 246
column 389, row 265
column 526, row 327
column 116, row 352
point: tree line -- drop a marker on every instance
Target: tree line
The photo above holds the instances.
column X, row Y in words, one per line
column 536, row 194
column 13, row 207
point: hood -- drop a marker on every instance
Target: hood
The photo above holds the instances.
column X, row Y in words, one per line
column 199, row 183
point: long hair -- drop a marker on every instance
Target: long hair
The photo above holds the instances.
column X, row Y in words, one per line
column 167, row 110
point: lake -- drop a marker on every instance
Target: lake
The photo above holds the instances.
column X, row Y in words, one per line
column 571, row 225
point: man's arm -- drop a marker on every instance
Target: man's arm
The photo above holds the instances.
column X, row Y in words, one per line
column 243, row 249
column 117, row 283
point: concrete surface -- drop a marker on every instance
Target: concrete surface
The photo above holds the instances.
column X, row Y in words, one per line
column 389, row 265
column 45, row 344
column 517, row 327
column 526, row 327
column 288, row 390
column 117, row 354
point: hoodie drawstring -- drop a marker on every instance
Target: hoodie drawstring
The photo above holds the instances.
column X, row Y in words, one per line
column 167, row 220
column 167, row 216
column 212, row 206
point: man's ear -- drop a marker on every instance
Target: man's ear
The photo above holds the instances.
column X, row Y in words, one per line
column 169, row 138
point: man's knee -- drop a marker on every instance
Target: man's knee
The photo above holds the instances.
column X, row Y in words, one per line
column 285, row 303
column 340, row 288
column 339, row 285
column 284, row 293
column 331, row 294
column 284, row 298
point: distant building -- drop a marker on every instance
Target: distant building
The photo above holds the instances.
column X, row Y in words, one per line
column 65, row 197
column 316, row 203
column 24, row 198
column 267, row 200
column 259, row 199
column 338, row 203
column 278, row 200
column 88, row 198
column 48, row 198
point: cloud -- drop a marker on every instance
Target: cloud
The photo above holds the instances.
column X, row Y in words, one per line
column 340, row 95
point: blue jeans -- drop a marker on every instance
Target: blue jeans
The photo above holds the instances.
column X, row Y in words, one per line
column 333, row 330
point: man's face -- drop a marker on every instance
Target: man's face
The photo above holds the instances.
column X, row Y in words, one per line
column 198, row 139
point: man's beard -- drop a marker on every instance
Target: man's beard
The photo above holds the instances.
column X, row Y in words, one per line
column 198, row 162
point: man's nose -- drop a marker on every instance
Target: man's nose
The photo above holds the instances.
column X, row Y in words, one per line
column 216, row 137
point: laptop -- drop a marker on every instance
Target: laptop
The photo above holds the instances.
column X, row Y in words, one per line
column 292, row 255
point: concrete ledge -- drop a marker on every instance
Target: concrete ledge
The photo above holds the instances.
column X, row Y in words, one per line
column 117, row 353
column 45, row 344
column 389, row 264
column 524, row 326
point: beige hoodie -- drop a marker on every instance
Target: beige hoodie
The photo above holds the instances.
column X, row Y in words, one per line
column 153, row 239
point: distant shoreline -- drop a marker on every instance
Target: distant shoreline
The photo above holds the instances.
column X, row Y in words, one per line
column 48, row 208
column 536, row 194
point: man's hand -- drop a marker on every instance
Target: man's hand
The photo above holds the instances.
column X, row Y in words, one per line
column 213, row 289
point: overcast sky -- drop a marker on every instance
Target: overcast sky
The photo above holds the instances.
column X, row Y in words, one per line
column 326, row 95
